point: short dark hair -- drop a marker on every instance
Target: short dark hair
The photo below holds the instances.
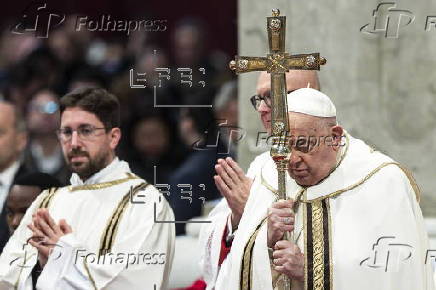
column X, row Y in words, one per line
column 97, row 101
column 39, row 179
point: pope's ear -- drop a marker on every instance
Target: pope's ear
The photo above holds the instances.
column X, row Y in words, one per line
column 115, row 136
column 337, row 134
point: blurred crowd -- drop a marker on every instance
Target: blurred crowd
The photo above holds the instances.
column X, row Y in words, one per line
column 179, row 102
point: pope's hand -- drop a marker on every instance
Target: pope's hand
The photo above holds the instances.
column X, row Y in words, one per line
column 280, row 220
column 288, row 260
column 46, row 233
column 233, row 185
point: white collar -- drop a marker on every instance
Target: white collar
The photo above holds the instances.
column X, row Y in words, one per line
column 359, row 160
column 7, row 176
column 116, row 169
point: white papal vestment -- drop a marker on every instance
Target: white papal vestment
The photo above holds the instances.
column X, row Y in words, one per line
column 360, row 228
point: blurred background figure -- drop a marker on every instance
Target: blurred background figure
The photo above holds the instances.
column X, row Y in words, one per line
column 152, row 145
column 209, row 135
column 13, row 139
column 225, row 108
column 189, row 51
column 43, row 153
column 192, row 182
column 23, row 192
column 186, row 59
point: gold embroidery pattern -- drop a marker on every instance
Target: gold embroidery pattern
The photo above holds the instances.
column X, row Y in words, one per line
column 306, row 276
column 245, row 275
column 338, row 192
column 318, row 268
column 97, row 186
column 110, row 232
column 48, row 198
column 44, row 204
column 330, row 249
column 318, row 246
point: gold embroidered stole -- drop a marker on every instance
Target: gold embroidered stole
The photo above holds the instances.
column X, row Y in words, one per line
column 317, row 236
column 317, row 246
column 247, row 258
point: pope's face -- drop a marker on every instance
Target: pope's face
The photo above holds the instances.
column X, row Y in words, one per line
column 313, row 154
column 87, row 155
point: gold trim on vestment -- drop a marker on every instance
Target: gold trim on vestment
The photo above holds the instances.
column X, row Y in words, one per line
column 48, row 198
column 412, row 182
column 318, row 246
column 110, row 232
column 245, row 274
column 21, row 268
column 305, row 240
column 321, row 228
column 267, row 185
column 330, row 249
column 97, row 186
column 89, row 274
column 338, row 192
column 108, row 235
column 45, row 203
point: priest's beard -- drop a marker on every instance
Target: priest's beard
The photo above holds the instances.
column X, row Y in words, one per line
column 92, row 166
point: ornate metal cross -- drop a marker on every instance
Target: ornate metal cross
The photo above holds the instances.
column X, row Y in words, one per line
column 277, row 63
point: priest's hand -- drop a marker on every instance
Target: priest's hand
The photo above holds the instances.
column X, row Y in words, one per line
column 46, row 233
column 280, row 220
column 288, row 260
column 233, row 185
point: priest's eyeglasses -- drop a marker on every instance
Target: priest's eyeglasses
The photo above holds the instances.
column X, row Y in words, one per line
column 257, row 99
column 85, row 132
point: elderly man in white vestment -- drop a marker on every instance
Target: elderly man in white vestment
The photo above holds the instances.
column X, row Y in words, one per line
column 102, row 231
column 236, row 191
column 357, row 221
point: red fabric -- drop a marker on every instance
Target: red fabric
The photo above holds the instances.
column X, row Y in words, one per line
column 198, row 285
column 224, row 250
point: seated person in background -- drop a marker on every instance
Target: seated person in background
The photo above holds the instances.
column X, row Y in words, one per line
column 211, row 136
column 43, row 152
column 151, row 136
column 23, row 192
